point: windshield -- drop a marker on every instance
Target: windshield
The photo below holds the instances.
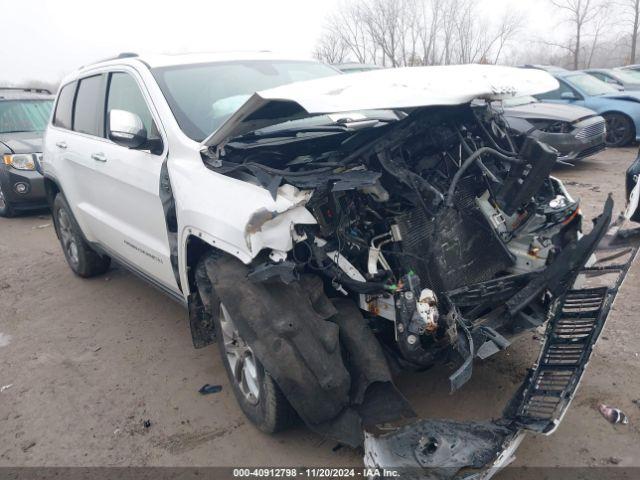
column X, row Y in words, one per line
column 24, row 115
column 203, row 96
column 517, row 101
column 590, row 85
column 627, row 76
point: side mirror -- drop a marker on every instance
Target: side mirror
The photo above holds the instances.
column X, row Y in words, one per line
column 568, row 96
column 126, row 129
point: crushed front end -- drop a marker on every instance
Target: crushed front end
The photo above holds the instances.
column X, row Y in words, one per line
column 451, row 237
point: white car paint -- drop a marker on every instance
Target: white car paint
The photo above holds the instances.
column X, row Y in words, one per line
column 117, row 204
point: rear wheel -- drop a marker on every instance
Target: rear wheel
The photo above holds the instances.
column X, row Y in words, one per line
column 6, row 210
column 82, row 259
column 620, row 129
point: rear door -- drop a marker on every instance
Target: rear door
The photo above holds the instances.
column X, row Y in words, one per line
column 127, row 214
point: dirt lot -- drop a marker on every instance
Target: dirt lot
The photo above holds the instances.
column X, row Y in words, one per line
column 88, row 361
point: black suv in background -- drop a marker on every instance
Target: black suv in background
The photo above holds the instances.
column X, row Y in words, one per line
column 24, row 114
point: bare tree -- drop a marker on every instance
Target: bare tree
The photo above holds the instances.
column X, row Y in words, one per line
column 400, row 33
column 580, row 14
column 630, row 15
column 331, row 48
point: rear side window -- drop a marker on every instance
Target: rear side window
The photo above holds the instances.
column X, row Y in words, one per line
column 64, row 108
column 88, row 114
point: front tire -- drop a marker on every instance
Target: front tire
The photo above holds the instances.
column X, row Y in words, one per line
column 256, row 392
column 620, row 129
column 83, row 260
column 6, row 209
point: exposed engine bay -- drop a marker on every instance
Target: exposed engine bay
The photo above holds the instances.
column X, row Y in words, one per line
column 430, row 220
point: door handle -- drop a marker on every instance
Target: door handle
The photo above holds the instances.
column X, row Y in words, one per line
column 62, row 145
column 99, row 157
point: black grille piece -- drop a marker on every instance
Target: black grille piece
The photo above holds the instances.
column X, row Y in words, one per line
column 455, row 248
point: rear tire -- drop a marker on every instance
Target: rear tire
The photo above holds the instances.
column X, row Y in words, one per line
column 620, row 129
column 256, row 392
column 6, row 209
column 83, row 260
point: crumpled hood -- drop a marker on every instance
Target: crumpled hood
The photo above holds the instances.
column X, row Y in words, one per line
column 22, row 142
column 397, row 88
column 549, row 111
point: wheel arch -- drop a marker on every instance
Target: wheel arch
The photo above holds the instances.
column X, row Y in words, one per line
column 51, row 188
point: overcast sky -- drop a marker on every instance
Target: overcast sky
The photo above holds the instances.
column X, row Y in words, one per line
column 45, row 39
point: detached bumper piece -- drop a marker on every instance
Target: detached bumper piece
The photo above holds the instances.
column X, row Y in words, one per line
column 443, row 449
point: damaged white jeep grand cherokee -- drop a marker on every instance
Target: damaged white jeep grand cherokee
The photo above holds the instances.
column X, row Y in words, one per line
column 334, row 229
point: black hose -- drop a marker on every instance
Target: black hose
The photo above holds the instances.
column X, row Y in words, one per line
column 468, row 162
column 492, row 140
column 481, row 164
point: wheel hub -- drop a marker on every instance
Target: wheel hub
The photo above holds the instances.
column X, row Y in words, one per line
column 66, row 237
column 242, row 362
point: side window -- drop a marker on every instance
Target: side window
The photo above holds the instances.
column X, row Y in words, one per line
column 63, row 115
column 88, row 112
column 124, row 94
column 556, row 94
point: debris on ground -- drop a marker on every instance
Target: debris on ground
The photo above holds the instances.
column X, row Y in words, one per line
column 5, row 387
column 28, row 445
column 612, row 414
column 146, row 423
column 613, row 460
column 39, row 227
column 208, row 389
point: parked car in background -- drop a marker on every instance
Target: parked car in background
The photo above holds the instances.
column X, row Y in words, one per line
column 575, row 132
column 635, row 67
column 632, row 185
column 546, row 68
column 354, row 67
column 621, row 110
column 24, row 114
column 618, row 78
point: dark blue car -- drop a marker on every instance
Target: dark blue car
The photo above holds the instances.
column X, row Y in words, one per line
column 621, row 110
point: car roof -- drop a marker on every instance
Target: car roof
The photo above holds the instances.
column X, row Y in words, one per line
column 168, row 60
column 17, row 93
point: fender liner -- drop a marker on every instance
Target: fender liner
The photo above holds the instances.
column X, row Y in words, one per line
column 322, row 355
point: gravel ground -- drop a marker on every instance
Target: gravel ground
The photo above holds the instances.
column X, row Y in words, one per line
column 84, row 363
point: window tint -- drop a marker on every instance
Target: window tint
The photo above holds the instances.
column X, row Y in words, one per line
column 88, row 112
column 124, row 94
column 62, row 117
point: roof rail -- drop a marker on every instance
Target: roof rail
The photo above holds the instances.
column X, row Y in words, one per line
column 117, row 57
column 27, row 89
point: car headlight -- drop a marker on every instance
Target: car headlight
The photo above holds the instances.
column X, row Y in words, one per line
column 21, row 161
column 553, row 126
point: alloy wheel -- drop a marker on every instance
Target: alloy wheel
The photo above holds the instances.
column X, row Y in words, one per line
column 617, row 129
column 3, row 202
column 242, row 362
column 67, row 237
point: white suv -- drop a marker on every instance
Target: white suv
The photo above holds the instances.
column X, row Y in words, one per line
column 328, row 228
